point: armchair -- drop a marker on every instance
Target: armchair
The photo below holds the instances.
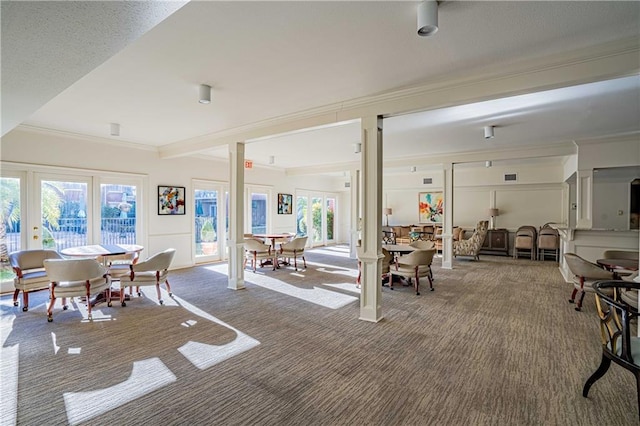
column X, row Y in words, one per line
column 619, row 344
column 295, row 249
column 258, row 251
column 472, row 246
column 28, row 266
column 585, row 274
column 414, row 265
column 149, row 272
column 386, row 266
column 76, row 278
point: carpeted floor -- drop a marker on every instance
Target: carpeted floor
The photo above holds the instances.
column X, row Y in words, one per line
column 496, row 343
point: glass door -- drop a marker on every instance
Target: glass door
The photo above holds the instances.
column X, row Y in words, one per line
column 315, row 218
column 63, row 207
column 258, row 200
column 118, row 212
column 317, row 224
column 302, row 212
column 330, row 209
column 11, row 236
column 209, row 222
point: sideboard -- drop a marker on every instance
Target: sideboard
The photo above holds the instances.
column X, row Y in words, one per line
column 496, row 241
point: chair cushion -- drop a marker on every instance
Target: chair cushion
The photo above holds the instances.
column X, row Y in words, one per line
column 77, row 288
column 143, row 278
column 33, row 280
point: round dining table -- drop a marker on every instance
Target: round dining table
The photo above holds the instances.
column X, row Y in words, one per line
column 103, row 251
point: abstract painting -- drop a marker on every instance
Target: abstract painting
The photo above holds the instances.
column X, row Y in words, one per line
column 170, row 200
column 430, row 207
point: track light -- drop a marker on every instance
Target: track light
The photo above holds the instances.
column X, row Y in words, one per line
column 427, row 18
column 357, row 148
column 272, row 159
column 413, row 169
column 488, row 163
column 205, row 94
column 115, row 129
column 488, row 132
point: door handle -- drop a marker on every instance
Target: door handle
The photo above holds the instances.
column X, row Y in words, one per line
column 35, row 237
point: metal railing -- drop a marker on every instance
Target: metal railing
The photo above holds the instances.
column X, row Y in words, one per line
column 73, row 232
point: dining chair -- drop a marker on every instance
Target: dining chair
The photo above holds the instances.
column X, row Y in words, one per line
column 413, row 266
column 585, row 274
column 387, row 260
column 76, row 278
column 28, row 265
column 293, row 249
column 149, row 272
column 619, row 344
column 256, row 251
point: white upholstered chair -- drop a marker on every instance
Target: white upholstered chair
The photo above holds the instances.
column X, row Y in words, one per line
column 28, row 266
column 149, row 272
column 76, row 278
column 256, row 251
column 293, row 249
column 413, row 266
column 585, row 274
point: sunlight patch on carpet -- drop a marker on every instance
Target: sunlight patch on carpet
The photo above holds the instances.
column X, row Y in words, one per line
column 316, row 295
column 203, row 355
column 9, row 373
column 146, row 376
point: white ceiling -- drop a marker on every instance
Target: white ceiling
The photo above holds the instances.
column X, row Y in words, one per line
column 267, row 59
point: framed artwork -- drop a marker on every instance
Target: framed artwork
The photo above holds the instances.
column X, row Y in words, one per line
column 171, row 200
column 284, row 203
column 430, row 207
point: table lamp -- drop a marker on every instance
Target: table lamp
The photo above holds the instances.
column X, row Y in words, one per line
column 493, row 213
column 387, row 212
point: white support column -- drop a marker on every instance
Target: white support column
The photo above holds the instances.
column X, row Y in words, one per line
column 236, row 216
column 355, row 213
column 447, row 231
column 371, row 250
column 584, row 199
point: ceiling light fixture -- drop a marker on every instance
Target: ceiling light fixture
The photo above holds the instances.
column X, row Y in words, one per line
column 357, row 148
column 114, row 129
column 272, row 159
column 427, row 18
column 413, row 169
column 488, row 132
column 205, row 94
column 488, row 163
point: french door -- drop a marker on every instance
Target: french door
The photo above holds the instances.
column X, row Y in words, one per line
column 316, row 214
column 210, row 224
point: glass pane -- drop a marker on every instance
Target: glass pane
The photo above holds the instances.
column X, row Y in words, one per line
column 117, row 214
column 316, row 215
column 301, row 220
column 64, row 214
column 258, row 213
column 10, row 225
column 331, row 205
column 206, row 212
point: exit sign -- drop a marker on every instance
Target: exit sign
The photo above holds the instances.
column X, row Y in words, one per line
column 248, row 164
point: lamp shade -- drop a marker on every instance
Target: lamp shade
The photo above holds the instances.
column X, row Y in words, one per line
column 494, row 212
column 388, row 211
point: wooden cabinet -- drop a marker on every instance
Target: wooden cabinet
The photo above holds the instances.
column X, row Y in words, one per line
column 496, row 241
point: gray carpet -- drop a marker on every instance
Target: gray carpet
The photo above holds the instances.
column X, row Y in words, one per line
column 495, row 344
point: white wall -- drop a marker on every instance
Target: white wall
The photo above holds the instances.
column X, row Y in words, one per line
column 535, row 199
column 36, row 149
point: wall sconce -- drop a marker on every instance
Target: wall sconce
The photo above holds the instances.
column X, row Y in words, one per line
column 493, row 213
column 205, row 94
column 387, row 212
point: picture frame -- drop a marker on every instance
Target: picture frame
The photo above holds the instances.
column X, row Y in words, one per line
column 171, row 200
column 431, row 207
column 285, row 204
